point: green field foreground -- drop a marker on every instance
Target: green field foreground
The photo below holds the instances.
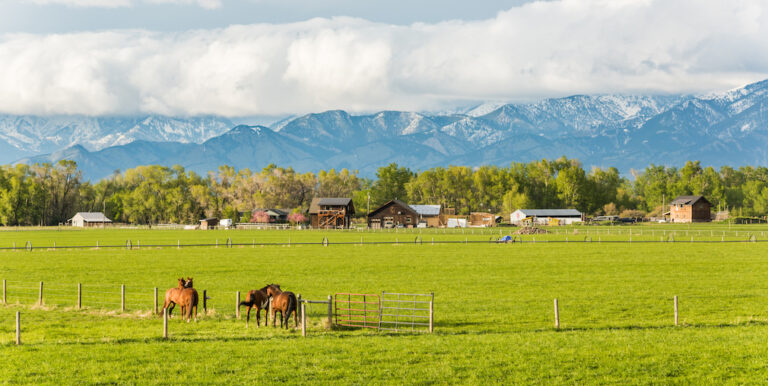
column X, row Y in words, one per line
column 494, row 319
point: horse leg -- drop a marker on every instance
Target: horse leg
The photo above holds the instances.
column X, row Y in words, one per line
column 274, row 312
column 195, row 313
column 248, row 316
column 170, row 308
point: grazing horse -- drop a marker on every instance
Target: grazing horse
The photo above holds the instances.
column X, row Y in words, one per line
column 172, row 297
column 285, row 302
column 188, row 299
column 260, row 300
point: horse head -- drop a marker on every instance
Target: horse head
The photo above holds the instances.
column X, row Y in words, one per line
column 188, row 283
column 182, row 283
column 273, row 289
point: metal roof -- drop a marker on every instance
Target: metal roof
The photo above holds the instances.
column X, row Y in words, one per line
column 427, row 210
column 550, row 212
column 317, row 202
column 92, row 216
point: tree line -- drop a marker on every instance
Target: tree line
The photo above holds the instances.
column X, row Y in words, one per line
column 50, row 194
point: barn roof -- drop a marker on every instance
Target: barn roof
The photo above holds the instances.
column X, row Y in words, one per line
column 314, row 206
column 92, row 216
column 393, row 202
column 687, row 200
column 550, row 212
column 427, row 210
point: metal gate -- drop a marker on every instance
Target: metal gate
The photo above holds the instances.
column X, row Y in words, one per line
column 357, row 310
column 412, row 312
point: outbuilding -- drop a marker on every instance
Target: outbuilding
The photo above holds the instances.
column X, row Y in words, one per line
column 90, row 219
column 690, row 209
column 546, row 216
column 394, row 213
column 331, row 212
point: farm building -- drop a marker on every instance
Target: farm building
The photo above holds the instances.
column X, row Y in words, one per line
column 331, row 212
column 429, row 215
column 546, row 216
column 90, row 219
column 209, row 223
column 483, row 219
column 275, row 215
column 690, row 209
column 392, row 214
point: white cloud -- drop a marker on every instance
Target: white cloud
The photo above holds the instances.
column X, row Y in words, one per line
column 208, row 4
column 538, row 50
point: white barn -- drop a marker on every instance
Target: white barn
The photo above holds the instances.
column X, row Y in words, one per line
column 542, row 216
column 90, row 219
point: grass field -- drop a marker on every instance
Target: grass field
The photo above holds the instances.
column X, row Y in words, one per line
column 494, row 318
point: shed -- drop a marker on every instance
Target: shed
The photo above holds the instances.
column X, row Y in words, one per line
column 209, row 223
column 90, row 219
column 275, row 215
column 331, row 212
column 429, row 215
column 690, row 209
column 392, row 214
column 483, row 219
column 543, row 216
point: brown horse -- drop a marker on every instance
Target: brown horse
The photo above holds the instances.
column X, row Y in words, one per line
column 284, row 302
column 260, row 300
column 188, row 299
column 172, row 297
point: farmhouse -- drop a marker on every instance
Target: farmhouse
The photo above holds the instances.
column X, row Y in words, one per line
column 690, row 209
column 275, row 215
column 393, row 214
column 546, row 216
column 331, row 212
column 90, row 219
column 429, row 215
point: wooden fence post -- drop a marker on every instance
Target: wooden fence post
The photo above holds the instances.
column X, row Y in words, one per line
column 298, row 306
column 165, row 323
column 79, row 295
column 303, row 320
column 676, row 310
column 40, row 295
column 205, row 302
column 557, row 315
column 122, row 297
column 237, row 305
column 330, row 311
column 155, row 300
column 432, row 313
column 18, row 328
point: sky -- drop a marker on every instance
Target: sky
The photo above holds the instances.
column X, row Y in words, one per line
column 279, row 57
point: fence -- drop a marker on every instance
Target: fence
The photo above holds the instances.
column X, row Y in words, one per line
column 357, row 310
column 406, row 311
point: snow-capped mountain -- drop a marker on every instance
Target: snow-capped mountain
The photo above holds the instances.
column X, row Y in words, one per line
column 608, row 130
column 30, row 135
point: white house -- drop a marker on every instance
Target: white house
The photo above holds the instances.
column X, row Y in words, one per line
column 90, row 219
column 542, row 216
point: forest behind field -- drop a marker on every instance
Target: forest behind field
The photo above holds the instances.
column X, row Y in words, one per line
column 50, row 194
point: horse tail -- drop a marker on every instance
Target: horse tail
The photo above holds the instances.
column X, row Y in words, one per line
column 248, row 301
column 292, row 307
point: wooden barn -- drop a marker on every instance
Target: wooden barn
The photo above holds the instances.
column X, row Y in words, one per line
column 331, row 212
column 690, row 209
column 429, row 215
column 393, row 214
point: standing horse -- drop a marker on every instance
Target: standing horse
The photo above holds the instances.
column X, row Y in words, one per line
column 172, row 297
column 188, row 299
column 260, row 300
column 285, row 302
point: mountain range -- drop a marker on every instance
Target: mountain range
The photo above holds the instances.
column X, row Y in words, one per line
column 625, row 131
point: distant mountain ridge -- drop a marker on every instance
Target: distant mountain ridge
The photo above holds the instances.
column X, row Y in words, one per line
column 608, row 130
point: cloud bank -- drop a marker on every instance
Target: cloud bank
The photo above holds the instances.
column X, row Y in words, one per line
column 542, row 49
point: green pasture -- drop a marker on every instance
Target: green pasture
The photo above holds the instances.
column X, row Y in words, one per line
column 494, row 319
